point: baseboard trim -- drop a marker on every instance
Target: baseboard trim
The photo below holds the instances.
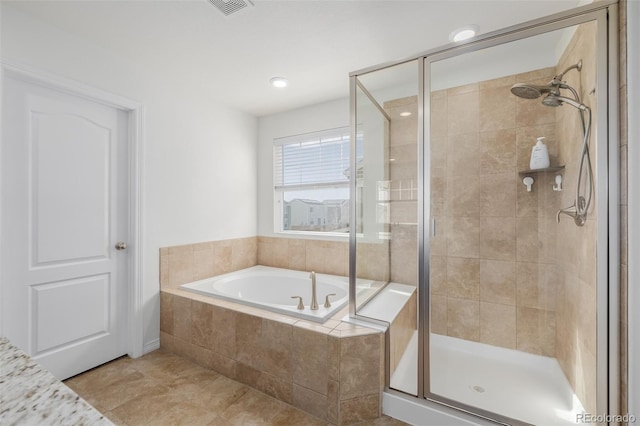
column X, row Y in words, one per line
column 151, row 346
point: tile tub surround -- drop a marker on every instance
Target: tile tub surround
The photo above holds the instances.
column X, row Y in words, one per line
column 31, row 395
column 334, row 371
column 192, row 262
column 325, row 257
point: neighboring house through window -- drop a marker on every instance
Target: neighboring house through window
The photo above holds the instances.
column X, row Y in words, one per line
column 311, row 182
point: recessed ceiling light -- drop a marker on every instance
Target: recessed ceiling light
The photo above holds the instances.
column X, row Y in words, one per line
column 405, row 114
column 279, row 82
column 464, row 33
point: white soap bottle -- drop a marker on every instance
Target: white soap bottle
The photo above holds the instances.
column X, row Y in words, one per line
column 539, row 155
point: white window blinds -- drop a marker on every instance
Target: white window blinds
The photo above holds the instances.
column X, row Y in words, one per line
column 312, row 160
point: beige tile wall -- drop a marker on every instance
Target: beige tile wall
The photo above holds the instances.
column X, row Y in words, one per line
column 401, row 331
column 325, row 257
column 576, row 246
column 334, row 371
column 493, row 276
column 192, row 262
column 403, row 149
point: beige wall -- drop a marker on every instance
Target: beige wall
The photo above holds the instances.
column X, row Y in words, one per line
column 191, row 262
column 576, row 246
column 493, row 276
column 403, row 175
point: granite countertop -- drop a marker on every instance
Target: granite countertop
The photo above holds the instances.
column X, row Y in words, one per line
column 30, row 395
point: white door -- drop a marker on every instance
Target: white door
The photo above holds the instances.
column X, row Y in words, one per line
column 64, row 208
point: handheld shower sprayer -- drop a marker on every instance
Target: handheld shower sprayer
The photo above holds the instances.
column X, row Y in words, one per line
column 557, row 100
column 553, row 98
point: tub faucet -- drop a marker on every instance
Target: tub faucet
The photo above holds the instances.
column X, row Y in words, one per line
column 314, row 299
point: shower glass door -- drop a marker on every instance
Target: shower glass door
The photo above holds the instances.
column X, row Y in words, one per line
column 491, row 272
column 371, row 169
column 387, row 208
column 513, row 273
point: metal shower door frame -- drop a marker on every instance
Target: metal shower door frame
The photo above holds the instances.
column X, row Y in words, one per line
column 606, row 196
column 607, row 168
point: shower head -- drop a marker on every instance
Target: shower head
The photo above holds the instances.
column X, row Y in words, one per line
column 531, row 91
column 554, row 100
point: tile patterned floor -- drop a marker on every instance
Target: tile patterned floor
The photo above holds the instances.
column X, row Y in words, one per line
column 161, row 388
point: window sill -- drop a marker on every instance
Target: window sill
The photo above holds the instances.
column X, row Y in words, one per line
column 314, row 235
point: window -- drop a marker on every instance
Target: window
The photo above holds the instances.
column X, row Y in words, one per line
column 311, row 182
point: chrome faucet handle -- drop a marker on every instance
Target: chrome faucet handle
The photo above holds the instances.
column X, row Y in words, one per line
column 300, row 304
column 569, row 211
column 572, row 211
column 327, row 304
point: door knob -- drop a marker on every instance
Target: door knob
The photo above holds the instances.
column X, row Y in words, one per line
column 121, row 245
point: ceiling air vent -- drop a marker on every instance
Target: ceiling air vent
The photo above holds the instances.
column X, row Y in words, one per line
column 228, row 7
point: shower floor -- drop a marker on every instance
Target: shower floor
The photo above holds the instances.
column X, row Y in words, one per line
column 512, row 383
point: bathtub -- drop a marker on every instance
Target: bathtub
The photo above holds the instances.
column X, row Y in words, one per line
column 271, row 289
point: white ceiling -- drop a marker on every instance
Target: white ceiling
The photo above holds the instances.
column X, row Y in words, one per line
column 315, row 44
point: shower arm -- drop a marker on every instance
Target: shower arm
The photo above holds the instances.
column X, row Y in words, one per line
column 558, row 78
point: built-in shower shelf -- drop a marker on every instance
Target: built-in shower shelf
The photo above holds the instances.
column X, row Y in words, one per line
column 527, row 180
column 545, row 170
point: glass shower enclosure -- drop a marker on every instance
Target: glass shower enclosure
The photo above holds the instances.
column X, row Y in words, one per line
column 491, row 275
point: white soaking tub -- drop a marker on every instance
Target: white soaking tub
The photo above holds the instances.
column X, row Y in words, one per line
column 271, row 289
